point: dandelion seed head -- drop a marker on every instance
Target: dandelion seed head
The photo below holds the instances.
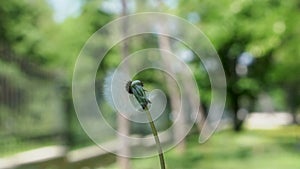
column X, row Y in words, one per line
column 113, row 88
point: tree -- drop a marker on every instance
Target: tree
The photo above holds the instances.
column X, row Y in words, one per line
column 255, row 30
column 285, row 69
column 22, row 34
column 123, row 123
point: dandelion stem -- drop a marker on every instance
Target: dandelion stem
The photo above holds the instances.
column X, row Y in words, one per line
column 158, row 145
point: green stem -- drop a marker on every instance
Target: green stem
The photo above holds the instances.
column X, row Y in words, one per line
column 158, row 145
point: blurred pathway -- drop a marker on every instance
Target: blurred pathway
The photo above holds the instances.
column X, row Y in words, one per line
column 264, row 120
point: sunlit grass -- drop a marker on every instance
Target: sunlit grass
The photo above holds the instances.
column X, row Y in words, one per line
column 261, row 149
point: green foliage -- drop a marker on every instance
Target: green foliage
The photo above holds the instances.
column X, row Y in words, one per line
column 22, row 27
column 265, row 29
column 38, row 55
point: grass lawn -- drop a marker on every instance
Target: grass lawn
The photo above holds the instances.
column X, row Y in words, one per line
column 250, row 149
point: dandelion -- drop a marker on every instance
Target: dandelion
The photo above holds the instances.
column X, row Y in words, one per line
column 136, row 88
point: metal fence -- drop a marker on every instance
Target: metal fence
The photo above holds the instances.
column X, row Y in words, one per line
column 35, row 109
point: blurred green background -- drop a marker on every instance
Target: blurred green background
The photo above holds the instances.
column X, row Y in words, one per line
column 257, row 41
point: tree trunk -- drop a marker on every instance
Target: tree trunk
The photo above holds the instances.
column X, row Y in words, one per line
column 164, row 44
column 123, row 123
column 174, row 96
column 292, row 101
column 237, row 121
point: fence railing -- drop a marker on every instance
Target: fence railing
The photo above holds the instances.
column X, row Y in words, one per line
column 58, row 157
